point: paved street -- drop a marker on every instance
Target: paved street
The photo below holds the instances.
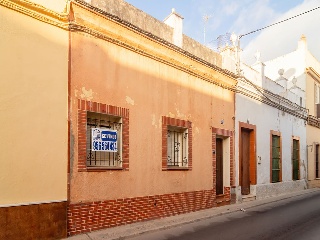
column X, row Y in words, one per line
column 292, row 218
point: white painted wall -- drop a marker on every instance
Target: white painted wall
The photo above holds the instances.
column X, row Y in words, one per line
column 296, row 64
column 267, row 118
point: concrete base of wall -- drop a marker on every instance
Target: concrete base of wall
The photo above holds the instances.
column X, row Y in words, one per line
column 34, row 221
column 262, row 191
column 274, row 189
column 314, row 183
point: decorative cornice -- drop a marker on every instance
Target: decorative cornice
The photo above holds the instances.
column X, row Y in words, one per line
column 313, row 73
column 313, row 121
column 146, row 34
column 38, row 12
column 79, row 28
column 274, row 100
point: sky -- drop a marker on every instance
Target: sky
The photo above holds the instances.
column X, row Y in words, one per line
column 241, row 17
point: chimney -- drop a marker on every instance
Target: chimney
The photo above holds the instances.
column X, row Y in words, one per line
column 260, row 67
column 174, row 20
column 302, row 43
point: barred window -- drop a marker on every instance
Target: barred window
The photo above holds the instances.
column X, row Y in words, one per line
column 104, row 156
column 177, row 147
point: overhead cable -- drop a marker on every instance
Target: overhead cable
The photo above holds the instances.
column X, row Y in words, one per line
column 282, row 21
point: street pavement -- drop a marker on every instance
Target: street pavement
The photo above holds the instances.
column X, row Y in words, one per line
column 136, row 229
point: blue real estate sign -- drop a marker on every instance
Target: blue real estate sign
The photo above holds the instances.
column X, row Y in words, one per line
column 104, row 140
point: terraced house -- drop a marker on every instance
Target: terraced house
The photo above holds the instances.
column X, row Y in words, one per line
column 34, row 119
column 168, row 104
column 270, row 129
column 121, row 118
column 305, row 68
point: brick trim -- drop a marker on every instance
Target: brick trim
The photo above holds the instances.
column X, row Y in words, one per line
column 85, row 106
column 222, row 132
column 230, row 134
column 91, row 216
column 168, row 121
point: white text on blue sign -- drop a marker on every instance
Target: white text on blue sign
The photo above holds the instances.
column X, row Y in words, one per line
column 104, row 140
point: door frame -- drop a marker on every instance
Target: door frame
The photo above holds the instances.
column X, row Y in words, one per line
column 220, row 139
column 223, row 133
column 252, row 156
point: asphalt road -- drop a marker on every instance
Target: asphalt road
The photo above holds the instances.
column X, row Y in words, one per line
column 294, row 218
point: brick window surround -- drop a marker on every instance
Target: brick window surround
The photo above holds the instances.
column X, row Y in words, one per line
column 173, row 122
column 88, row 106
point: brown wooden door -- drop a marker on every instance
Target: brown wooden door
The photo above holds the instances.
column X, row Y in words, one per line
column 219, row 166
column 245, row 162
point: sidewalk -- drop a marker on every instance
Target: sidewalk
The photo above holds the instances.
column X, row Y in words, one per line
column 159, row 224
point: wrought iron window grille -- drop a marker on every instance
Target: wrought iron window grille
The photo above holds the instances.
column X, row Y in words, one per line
column 103, row 159
column 177, row 147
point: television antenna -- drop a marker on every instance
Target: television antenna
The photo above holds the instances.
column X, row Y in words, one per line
column 205, row 18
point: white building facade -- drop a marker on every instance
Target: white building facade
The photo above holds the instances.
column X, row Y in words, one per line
column 302, row 65
column 270, row 132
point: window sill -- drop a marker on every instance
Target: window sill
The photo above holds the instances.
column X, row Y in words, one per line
column 103, row 169
column 176, row 169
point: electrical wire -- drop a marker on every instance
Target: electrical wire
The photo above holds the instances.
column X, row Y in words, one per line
column 282, row 21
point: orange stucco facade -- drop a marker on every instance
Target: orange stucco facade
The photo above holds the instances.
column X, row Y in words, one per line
column 115, row 65
column 74, row 58
column 107, row 73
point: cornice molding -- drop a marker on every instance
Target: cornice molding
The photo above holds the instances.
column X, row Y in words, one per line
column 313, row 73
column 313, row 121
column 38, row 12
column 262, row 95
column 98, row 32
column 79, row 28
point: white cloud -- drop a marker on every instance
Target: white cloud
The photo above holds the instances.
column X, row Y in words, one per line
column 253, row 15
column 283, row 38
column 231, row 8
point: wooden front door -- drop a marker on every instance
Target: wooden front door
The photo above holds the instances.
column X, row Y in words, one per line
column 245, row 162
column 219, row 166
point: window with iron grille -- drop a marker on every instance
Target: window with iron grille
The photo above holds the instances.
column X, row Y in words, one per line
column 295, row 159
column 177, row 147
column 276, row 159
column 104, row 158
